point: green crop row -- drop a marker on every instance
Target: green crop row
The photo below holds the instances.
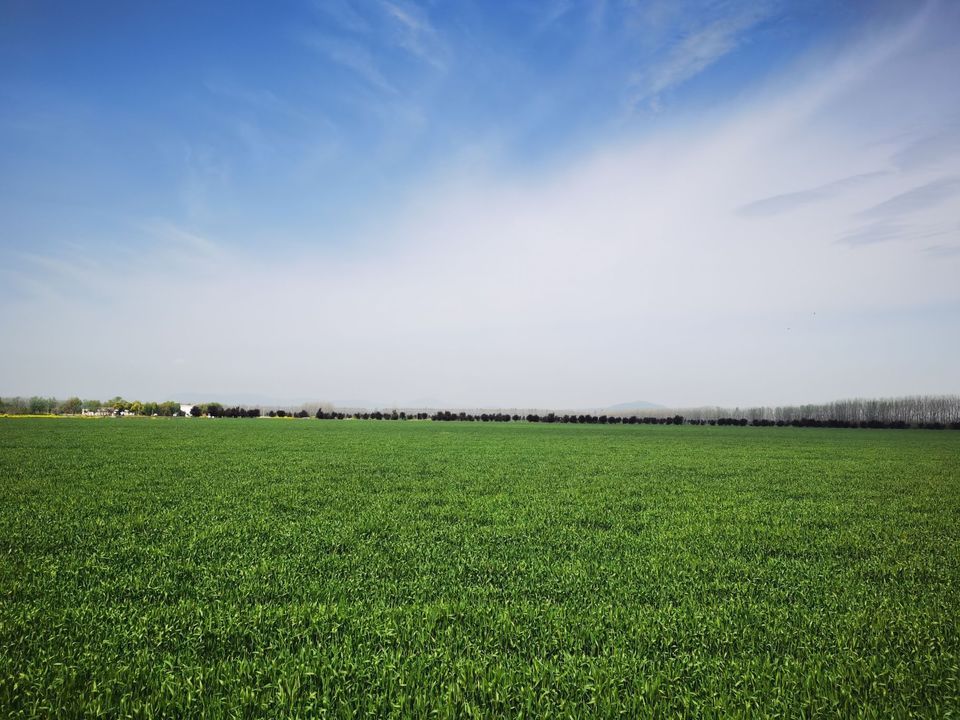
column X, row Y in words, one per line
column 155, row 568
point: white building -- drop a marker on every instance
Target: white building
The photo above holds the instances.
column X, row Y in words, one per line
column 99, row 412
column 185, row 409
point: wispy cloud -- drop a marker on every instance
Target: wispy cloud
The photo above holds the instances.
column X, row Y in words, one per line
column 874, row 233
column 944, row 251
column 918, row 213
column 155, row 246
column 178, row 242
column 941, row 146
column 922, row 197
column 551, row 12
column 886, row 231
column 385, row 24
column 786, row 202
column 354, row 57
column 231, row 90
column 344, row 14
column 206, row 172
column 412, row 30
column 695, row 52
column 55, row 274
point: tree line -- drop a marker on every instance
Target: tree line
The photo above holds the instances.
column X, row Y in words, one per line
column 897, row 412
column 922, row 411
column 590, row 419
column 74, row 406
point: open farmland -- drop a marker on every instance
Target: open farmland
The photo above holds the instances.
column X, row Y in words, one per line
column 300, row 568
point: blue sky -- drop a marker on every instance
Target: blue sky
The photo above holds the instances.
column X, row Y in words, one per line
column 319, row 186
column 312, row 112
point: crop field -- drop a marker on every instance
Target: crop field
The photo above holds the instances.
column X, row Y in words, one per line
column 277, row 568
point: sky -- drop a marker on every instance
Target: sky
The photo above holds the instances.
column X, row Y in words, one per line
column 551, row 204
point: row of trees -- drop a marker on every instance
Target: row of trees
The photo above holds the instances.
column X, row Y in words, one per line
column 914, row 410
column 168, row 408
column 606, row 419
column 119, row 406
column 217, row 410
column 74, row 406
column 815, row 420
column 37, row 405
column 933, row 412
column 831, row 423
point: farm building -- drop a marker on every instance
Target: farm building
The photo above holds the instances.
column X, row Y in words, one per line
column 99, row 412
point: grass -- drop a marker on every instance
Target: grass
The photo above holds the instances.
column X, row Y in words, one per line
column 177, row 568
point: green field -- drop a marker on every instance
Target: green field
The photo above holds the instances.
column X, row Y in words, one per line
column 272, row 568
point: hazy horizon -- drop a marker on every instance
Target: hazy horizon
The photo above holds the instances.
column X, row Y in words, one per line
column 556, row 205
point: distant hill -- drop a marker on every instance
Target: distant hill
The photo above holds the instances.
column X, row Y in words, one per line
column 636, row 405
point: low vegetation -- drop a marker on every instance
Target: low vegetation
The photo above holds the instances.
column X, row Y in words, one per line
column 163, row 568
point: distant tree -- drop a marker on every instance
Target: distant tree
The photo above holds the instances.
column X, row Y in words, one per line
column 168, row 408
column 71, row 406
column 15, row 405
column 43, row 405
column 213, row 409
column 196, row 411
column 118, row 404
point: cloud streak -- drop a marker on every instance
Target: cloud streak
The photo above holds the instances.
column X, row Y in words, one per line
column 786, row 202
column 696, row 52
column 354, row 57
column 922, row 197
column 940, row 146
column 412, row 31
